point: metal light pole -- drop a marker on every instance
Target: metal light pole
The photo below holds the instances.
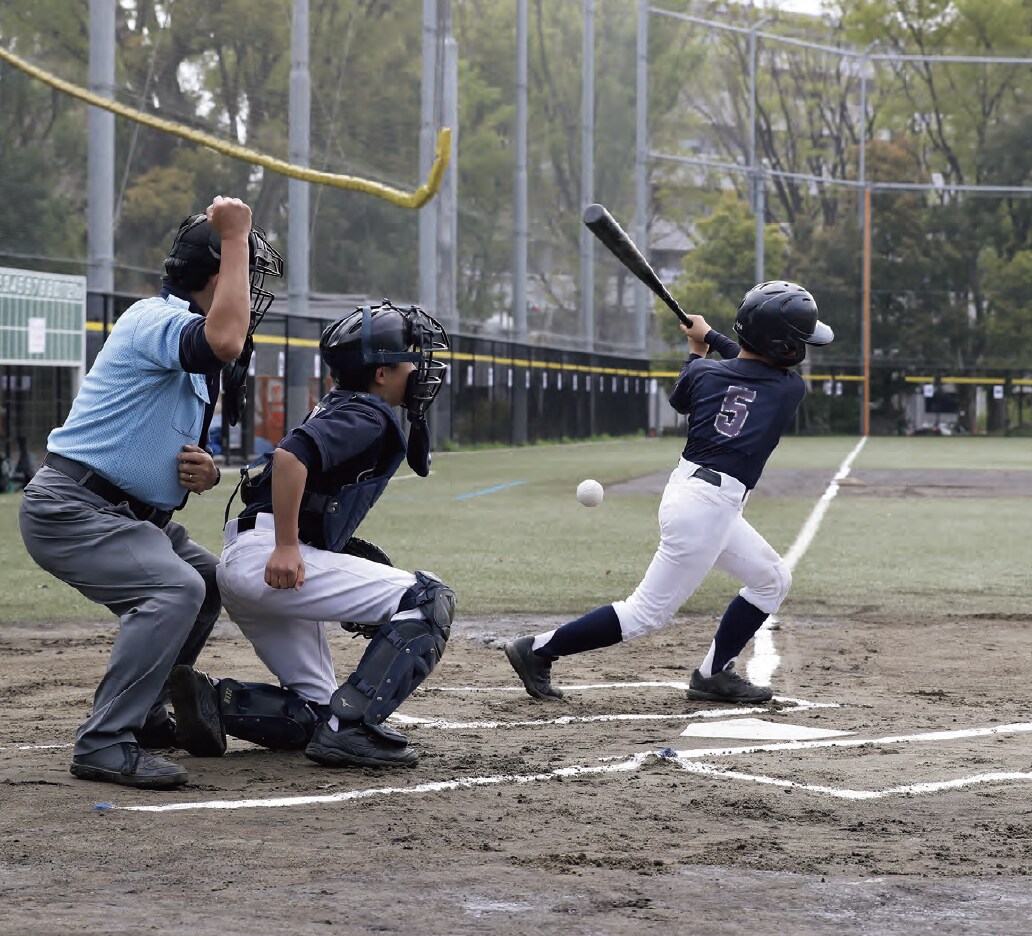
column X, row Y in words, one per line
column 865, row 421
column 100, row 200
column 641, row 192
column 429, row 121
column 587, row 240
column 299, row 125
column 865, row 220
column 863, row 117
column 519, row 208
column 755, row 177
column 520, row 233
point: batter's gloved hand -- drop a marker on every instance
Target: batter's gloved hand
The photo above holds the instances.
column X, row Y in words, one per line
column 370, row 551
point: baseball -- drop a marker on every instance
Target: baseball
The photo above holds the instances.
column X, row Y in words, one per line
column 589, row 493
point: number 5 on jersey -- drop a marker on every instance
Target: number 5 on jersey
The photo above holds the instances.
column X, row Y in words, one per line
column 734, row 411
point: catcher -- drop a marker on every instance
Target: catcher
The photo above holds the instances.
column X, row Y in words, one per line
column 291, row 563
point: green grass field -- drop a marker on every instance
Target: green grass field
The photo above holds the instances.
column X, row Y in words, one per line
column 531, row 548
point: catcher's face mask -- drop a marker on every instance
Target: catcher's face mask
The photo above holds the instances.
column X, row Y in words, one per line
column 197, row 253
column 424, row 335
column 265, row 260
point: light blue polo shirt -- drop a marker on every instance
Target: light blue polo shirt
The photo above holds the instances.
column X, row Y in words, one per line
column 137, row 407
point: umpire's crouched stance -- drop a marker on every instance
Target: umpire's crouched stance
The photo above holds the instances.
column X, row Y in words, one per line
column 98, row 514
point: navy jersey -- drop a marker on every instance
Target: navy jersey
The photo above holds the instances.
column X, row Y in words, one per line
column 737, row 411
column 348, row 438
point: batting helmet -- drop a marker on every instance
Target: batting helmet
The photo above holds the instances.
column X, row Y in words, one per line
column 778, row 320
column 372, row 336
column 196, row 255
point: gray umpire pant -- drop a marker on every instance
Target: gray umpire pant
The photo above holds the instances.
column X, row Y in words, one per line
column 159, row 583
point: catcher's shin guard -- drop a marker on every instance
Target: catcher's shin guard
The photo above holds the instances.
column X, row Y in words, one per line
column 267, row 715
column 400, row 656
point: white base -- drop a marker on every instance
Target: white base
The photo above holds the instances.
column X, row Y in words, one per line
column 756, row 729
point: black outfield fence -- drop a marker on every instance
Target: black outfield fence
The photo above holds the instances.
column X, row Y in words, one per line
column 504, row 393
column 495, row 391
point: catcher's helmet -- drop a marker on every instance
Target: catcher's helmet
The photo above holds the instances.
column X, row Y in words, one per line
column 354, row 346
column 778, row 320
column 196, row 255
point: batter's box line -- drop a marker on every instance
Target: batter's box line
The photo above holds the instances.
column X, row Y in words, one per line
column 796, row 705
column 713, row 770
column 685, row 759
column 398, row 718
column 688, row 760
column 648, row 684
column 582, row 687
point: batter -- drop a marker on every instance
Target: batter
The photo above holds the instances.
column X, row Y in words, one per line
column 737, row 410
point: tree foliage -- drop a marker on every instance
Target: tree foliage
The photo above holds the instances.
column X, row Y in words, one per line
column 950, row 269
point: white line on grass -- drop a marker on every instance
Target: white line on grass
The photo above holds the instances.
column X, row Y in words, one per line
column 490, row 490
column 764, row 661
column 633, row 762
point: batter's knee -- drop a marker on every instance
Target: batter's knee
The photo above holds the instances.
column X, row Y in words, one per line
column 635, row 620
column 768, row 594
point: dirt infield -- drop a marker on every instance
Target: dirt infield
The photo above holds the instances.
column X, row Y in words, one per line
column 634, row 842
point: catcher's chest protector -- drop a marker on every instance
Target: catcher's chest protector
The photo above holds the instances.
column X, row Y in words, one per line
column 342, row 514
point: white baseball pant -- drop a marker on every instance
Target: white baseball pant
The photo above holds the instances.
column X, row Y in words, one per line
column 287, row 626
column 701, row 527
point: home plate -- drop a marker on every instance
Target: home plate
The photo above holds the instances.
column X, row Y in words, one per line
column 756, row 729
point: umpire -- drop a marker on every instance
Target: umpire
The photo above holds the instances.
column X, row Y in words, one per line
column 97, row 515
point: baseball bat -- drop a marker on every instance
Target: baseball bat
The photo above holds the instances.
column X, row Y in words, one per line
column 607, row 229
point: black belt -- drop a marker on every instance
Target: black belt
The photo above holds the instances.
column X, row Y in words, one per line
column 86, row 477
column 708, row 475
column 245, row 524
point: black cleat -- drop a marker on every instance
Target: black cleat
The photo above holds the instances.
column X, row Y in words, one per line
column 158, row 736
column 533, row 669
column 129, row 765
column 355, row 744
column 727, row 686
column 199, row 727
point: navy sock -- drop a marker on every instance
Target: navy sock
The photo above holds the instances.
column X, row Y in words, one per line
column 740, row 621
column 598, row 628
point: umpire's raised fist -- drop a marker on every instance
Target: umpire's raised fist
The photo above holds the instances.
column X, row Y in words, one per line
column 230, row 217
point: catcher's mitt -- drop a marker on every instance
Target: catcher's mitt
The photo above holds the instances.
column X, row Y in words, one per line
column 363, row 549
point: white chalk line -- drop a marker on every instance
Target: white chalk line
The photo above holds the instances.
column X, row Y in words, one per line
column 765, row 659
column 687, row 760
column 951, row 735
column 398, row 718
column 647, row 684
column 633, row 762
column 460, row 783
column 798, row 705
column 713, row 770
column 794, row 705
